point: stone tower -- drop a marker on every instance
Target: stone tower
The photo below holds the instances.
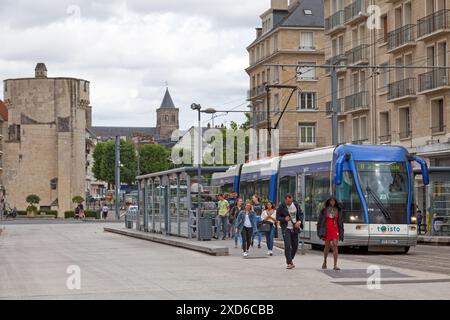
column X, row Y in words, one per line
column 167, row 117
column 45, row 145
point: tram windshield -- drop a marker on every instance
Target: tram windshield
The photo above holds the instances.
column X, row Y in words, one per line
column 385, row 189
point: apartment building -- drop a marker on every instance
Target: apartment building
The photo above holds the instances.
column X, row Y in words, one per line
column 291, row 33
column 406, row 105
column 3, row 126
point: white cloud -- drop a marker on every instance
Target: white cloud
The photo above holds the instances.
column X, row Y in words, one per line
column 129, row 49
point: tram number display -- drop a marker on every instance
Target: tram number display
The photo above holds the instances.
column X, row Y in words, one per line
column 388, row 166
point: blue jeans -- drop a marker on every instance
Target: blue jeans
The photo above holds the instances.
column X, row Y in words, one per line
column 257, row 220
column 269, row 238
column 222, row 223
column 234, row 235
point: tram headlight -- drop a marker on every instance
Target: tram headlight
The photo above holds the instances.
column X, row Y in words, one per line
column 413, row 219
column 352, row 218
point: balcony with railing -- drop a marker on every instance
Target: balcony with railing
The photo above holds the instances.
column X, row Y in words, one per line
column 402, row 38
column 358, row 55
column 360, row 141
column 405, row 134
column 433, row 25
column 438, row 129
column 335, row 22
column 357, row 102
column 337, row 60
column 255, row 92
column 402, row 90
column 340, row 107
column 433, row 81
column 385, row 138
column 298, row 143
column 356, row 11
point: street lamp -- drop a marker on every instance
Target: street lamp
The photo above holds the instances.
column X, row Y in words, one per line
column 198, row 108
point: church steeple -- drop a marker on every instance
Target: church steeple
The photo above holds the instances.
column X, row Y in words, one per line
column 167, row 117
column 167, row 102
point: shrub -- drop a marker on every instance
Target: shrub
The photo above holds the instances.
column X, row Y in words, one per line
column 50, row 213
column 32, row 208
column 33, row 199
column 69, row 214
column 78, row 199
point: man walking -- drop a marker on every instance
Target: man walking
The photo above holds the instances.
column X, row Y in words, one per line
column 291, row 220
column 105, row 210
column 223, row 208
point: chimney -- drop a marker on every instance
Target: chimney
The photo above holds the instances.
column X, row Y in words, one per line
column 279, row 4
column 41, row 71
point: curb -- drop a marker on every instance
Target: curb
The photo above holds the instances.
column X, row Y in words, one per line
column 207, row 248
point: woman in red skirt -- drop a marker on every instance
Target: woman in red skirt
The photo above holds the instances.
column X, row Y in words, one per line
column 330, row 228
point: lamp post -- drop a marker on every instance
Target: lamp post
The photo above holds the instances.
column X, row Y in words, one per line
column 198, row 108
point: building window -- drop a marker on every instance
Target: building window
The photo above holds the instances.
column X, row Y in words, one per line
column 383, row 80
column 307, row 133
column 307, row 41
column 306, row 73
column 276, row 76
column 385, row 128
column 166, row 119
column 405, row 123
column 307, row 101
column 276, row 102
column 359, row 130
column 174, row 119
column 341, row 132
column 437, row 116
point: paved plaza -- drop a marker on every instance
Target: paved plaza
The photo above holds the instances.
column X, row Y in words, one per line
column 34, row 259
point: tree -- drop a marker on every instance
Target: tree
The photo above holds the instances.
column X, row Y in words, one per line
column 105, row 161
column 32, row 199
column 154, row 158
column 78, row 200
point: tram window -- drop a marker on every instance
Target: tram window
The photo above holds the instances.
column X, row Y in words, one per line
column 347, row 195
column 287, row 186
column 317, row 191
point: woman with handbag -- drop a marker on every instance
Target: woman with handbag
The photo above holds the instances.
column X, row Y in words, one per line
column 330, row 228
column 268, row 225
column 239, row 206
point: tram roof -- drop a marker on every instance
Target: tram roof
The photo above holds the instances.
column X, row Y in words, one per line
column 374, row 152
column 188, row 170
column 264, row 165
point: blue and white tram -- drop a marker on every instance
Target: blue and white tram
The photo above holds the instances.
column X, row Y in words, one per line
column 373, row 184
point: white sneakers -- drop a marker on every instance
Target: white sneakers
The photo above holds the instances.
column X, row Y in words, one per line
column 245, row 254
column 270, row 253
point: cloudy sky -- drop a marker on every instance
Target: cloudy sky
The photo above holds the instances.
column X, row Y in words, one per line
column 129, row 49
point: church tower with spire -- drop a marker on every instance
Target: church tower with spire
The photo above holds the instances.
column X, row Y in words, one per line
column 167, row 117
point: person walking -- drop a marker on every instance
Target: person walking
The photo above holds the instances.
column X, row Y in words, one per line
column 291, row 221
column 232, row 219
column 257, row 208
column 419, row 221
column 245, row 224
column 223, row 208
column 105, row 211
column 269, row 223
column 330, row 228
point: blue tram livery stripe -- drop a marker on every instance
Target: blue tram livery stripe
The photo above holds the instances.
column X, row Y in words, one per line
column 313, row 167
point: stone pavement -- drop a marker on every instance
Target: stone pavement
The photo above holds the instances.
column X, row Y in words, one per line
column 34, row 260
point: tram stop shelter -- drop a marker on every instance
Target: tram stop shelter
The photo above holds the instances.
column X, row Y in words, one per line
column 434, row 201
column 168, row 201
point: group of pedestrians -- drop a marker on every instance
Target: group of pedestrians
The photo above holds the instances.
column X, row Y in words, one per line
column 252, row 219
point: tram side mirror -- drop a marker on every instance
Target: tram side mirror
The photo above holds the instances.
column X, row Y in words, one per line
column 424, row 168
column 339, row 170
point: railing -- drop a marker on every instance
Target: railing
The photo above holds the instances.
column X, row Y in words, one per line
column 340, row 104
column 439, row 20
column 358, row 54
column 385, row 138
column 361, row 141
column 355, row 9
column 337, row 60
column 433, row 79
column 405, row 134
column 256, row 91
column 401, row 36
column 335, row 20
column 295, row 143
column 402, row 88
column 438, row 129
column 357, row 101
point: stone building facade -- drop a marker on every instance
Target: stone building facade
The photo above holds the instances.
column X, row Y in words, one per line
column 402, row 106
column 45, row 148
column 291, row 33
column 3, row 127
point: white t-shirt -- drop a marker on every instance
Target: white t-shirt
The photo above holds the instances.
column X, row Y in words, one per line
column 293, row 213
column 247, row 222
column 265, row 215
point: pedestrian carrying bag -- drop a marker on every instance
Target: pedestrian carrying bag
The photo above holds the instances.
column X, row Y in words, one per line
column 264, row 226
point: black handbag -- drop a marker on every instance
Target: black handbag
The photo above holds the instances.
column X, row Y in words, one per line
column 264, row 226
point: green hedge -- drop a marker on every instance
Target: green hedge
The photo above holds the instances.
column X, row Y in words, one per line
column 87, row 213
column 48, row 213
